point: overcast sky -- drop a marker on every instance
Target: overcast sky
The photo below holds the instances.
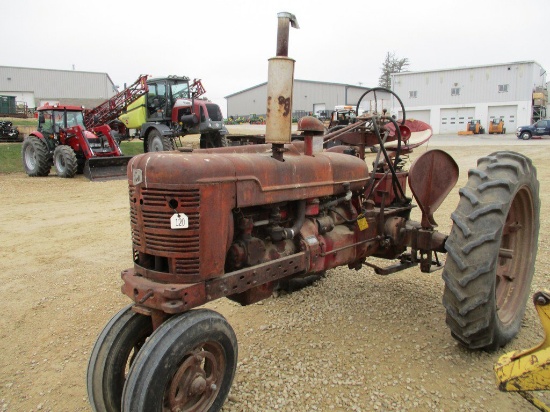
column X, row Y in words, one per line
column 227, row 43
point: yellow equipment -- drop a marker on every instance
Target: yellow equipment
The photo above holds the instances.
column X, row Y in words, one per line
column 496, row 126
column 473, row 127
column 529, row 370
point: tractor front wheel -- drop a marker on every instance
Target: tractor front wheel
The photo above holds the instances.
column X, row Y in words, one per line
column 64, row 159
column 156, row 142
column 36, row 159
column 491, row 251
column 188, row 364
column 114, row 352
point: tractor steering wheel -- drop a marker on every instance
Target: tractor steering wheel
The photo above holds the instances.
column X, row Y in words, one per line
column 382, row 89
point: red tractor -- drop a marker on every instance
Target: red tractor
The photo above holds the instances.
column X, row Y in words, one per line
column 241, row 222
column 63, row 141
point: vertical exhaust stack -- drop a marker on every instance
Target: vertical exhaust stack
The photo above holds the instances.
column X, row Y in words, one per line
column 280, row 81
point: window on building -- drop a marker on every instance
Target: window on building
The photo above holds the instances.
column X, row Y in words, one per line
column 503, row 88
column 455, row 91
column 412, row 94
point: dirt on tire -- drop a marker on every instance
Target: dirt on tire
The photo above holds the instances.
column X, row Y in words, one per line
column 353, row 341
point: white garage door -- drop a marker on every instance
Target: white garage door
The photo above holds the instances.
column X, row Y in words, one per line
column 455, row 120
column 507, row 113
column 422, row 115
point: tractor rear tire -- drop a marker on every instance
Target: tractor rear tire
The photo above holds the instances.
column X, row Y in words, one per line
column 188, row 364
column 36, row 158
column 64, row 159
column 491, row 251
column 156, row 142
column 114, row 352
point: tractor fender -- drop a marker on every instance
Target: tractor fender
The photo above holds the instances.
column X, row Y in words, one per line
column 37, row 134
column 50, row 143
column 147, row 127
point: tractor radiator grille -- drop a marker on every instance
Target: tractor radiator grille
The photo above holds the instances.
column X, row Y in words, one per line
column 150, row 213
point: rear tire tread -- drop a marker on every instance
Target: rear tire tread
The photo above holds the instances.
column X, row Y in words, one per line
column 478, row 221
column 42, row 157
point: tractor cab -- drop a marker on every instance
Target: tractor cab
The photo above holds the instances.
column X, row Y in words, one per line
column 163, row 94
column 52, row 119
column 60, row 121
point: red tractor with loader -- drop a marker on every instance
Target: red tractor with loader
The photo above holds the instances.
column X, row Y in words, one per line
column 61, row 140
column 76, row 140
column 241, row 222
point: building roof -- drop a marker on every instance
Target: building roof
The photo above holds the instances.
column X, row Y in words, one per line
column 299, row 80
column 60, row 84
column 464, row 68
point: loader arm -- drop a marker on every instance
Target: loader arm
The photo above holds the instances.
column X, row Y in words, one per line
column 529, row 370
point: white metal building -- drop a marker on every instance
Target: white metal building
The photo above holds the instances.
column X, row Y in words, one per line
column 447, row 99
column 309, row 97
column 38, row 86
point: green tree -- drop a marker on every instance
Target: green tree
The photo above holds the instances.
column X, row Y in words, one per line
column 391, row 65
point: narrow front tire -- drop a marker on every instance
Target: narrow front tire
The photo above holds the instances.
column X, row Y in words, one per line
column 188, row 364
column 114, row 352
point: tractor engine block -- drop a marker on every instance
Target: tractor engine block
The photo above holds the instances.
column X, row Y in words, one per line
column 241, row 209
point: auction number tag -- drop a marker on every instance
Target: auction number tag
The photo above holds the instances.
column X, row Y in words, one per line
column 362, row 223
column 179, row 221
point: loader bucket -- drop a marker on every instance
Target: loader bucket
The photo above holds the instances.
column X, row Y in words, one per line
column 106, row 168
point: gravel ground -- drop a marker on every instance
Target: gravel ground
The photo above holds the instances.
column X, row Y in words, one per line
column 354, row 341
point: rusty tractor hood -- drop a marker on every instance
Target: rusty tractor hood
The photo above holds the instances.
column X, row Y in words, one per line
column 259, row 179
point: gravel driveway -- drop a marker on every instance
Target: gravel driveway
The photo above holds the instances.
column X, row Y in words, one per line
column 354, row 341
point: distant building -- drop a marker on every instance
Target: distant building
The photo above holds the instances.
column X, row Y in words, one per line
column 35, row 87
column 448, row 98
column 309, row 97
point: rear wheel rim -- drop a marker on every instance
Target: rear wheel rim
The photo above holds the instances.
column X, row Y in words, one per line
column 60, row 163
column 156, row 145
column 30, row 157
column 512, row 272
column 198, row 380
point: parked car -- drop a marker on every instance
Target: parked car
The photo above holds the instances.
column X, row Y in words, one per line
column 539, row 129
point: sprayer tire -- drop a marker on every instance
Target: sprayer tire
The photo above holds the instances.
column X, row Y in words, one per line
column 156, row 142
column 491, row 251
column 187, row 364
column 113, row 353
column 36, row 159
column 211, row 140
column 64, row 159
column 223, row 141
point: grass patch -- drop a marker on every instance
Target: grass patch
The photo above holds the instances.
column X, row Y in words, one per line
column 132, row 147
column 31, row 121
column 10, row 158
column 10, row 154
